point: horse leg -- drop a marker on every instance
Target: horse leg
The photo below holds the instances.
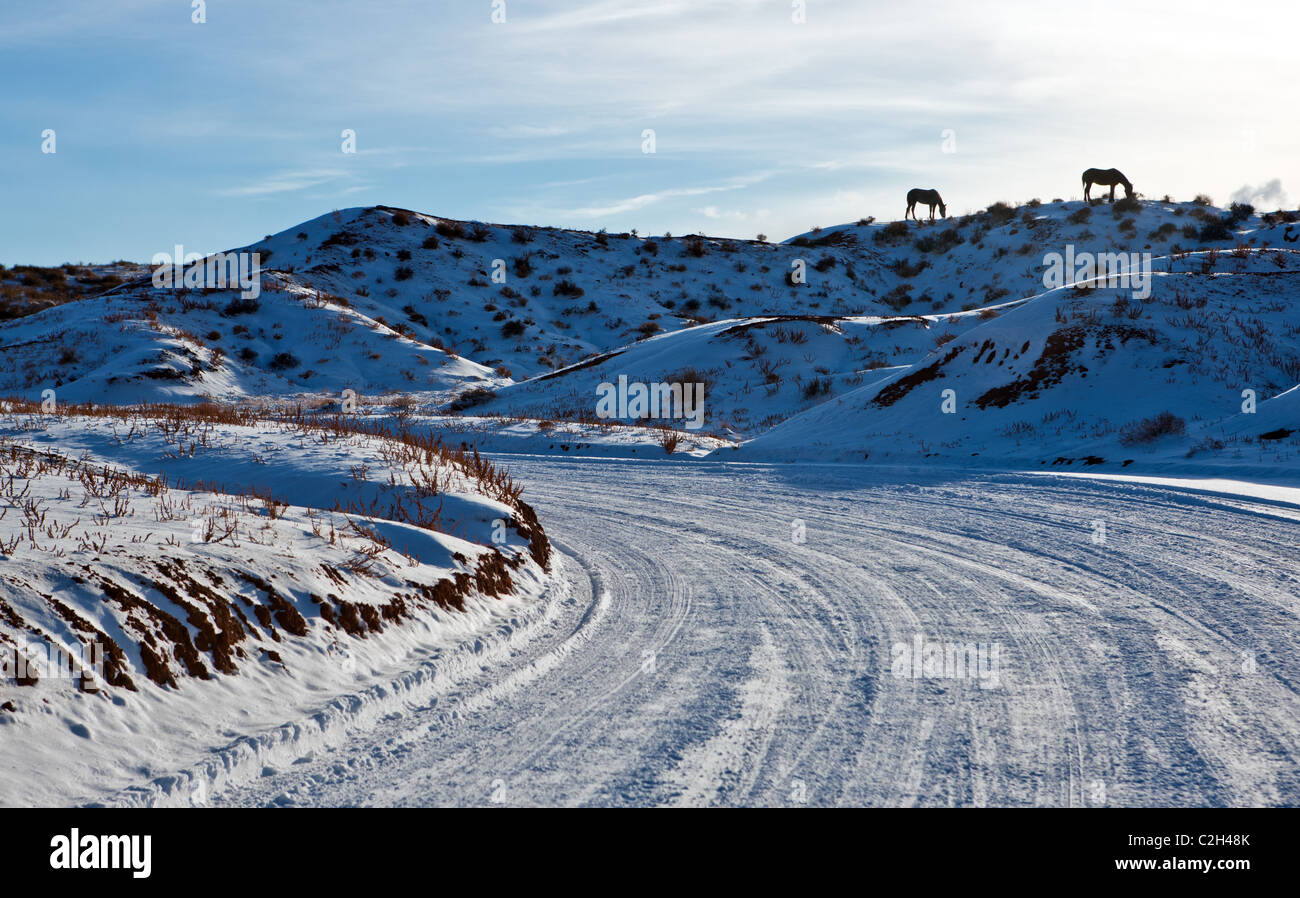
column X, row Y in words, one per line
column 1112, row 193
column 1087, row 191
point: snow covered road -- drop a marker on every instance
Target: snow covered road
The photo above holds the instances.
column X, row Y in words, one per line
column 702, row 655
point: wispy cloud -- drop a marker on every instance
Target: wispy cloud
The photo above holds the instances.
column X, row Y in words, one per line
column 641, row 201
column 633, row 203
column 609, row 12
column 285, row 182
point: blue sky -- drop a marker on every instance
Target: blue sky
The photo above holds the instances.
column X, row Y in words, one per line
column 212, row 135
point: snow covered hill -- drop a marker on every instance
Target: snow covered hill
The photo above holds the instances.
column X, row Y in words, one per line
column 174, row 575
column 1198, row 370
column 755, row 371
column 143, row 344
column 435, row 315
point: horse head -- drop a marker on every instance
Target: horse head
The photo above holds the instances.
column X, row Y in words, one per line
column 943, row 209
column 1128, row 190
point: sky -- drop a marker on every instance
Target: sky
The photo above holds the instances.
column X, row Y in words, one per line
column 768, row 116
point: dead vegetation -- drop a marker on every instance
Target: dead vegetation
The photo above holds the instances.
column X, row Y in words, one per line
column 1148, row 430
column 72, row 527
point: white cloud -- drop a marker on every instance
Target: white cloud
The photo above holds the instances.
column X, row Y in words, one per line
column 633, row 203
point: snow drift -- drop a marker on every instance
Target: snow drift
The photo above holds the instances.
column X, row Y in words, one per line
column 172, row 573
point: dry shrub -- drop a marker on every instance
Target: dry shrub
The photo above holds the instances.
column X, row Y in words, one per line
column 1148, row 430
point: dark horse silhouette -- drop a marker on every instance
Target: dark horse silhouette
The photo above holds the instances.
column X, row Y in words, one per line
column 1106, row 177
column 930, row 197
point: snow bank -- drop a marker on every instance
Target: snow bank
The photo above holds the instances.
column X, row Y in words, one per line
column 175, row 575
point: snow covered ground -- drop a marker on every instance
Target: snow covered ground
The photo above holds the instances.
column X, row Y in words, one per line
column 173, row 581
column 700, row 655
column 917, row 457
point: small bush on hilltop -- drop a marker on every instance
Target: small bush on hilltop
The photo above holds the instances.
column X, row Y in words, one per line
column 892, row 232
column 1000, row 213
column 1239, row 212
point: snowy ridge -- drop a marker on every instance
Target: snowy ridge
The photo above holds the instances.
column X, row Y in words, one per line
column 793, row 342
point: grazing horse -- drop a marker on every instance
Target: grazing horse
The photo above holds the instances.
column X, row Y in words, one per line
column 930, row 197
column 1106, row 177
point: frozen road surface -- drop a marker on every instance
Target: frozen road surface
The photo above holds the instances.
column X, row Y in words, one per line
column 1118, row 644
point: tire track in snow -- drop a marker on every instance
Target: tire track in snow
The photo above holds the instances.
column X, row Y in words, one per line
column 772, row 658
